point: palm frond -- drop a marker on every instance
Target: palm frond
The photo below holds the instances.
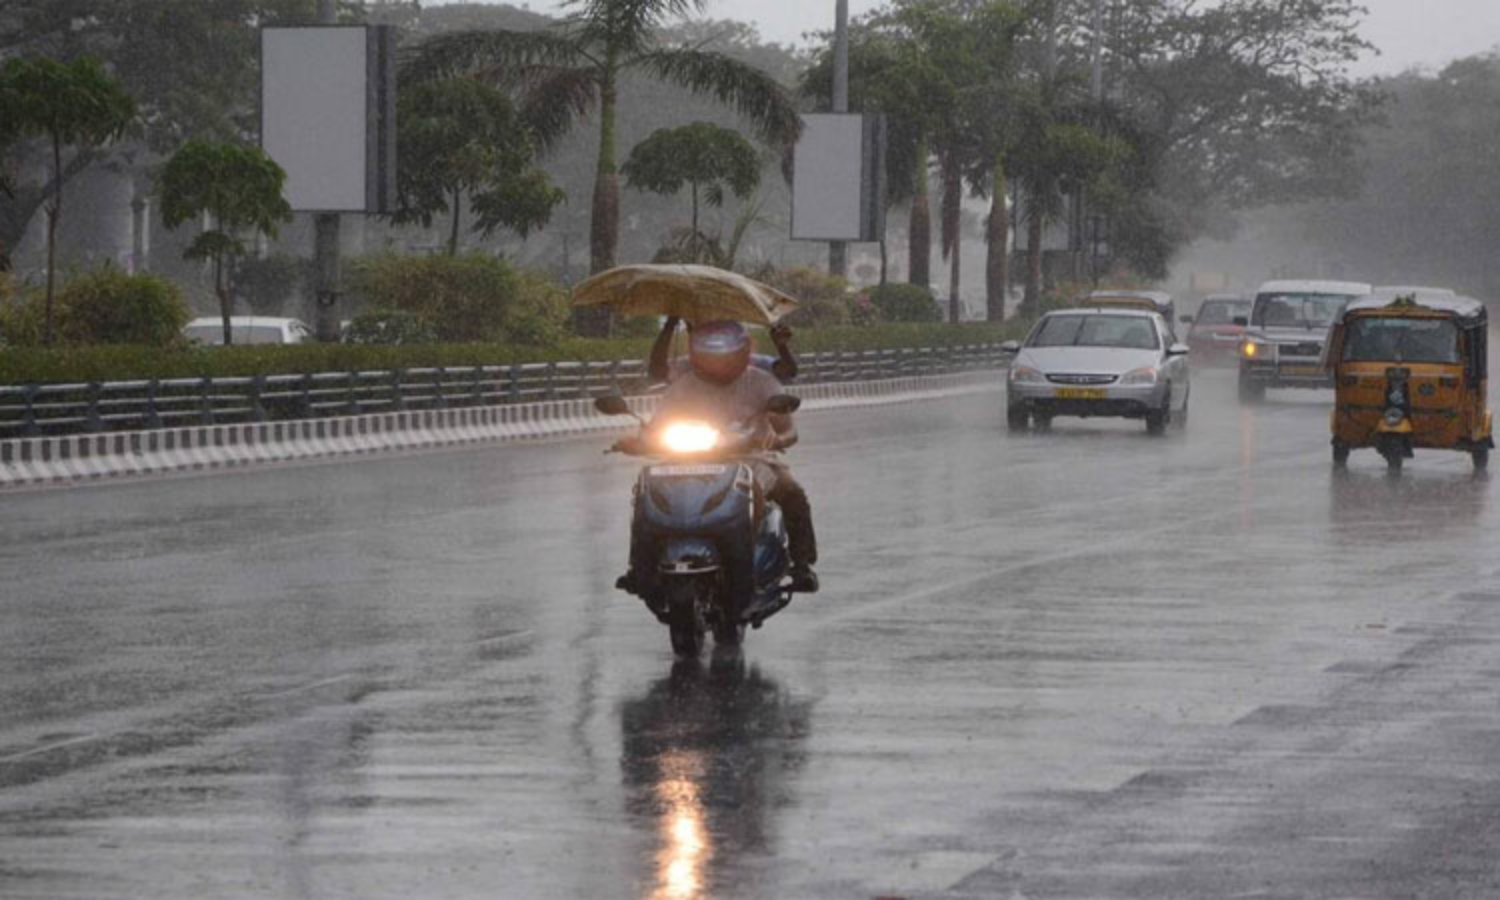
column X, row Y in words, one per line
column 629, row 24
column 554, row 98
column 495, row 56
column 756, row 95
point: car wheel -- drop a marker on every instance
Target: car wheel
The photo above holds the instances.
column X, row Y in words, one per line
column 1250, row 392
column 1182, row 414
column 1157, row 420
column 1017, row 418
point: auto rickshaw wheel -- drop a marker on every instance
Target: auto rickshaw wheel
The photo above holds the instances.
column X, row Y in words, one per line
column 1481, row 454
column 1394, row 452
column 1340, row 454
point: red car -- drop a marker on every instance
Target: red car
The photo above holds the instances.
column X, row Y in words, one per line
column 1214, row 337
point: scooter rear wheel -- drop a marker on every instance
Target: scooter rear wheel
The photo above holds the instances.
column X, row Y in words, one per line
column 728, row 634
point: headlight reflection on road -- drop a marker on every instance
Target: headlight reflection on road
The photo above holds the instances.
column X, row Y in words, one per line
column 686, row 846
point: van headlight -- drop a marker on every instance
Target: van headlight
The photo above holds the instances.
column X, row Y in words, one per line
column 1026, row 375
column 1145, row 377
column 1255, row 350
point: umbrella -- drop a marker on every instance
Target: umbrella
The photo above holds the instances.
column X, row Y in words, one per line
column 692, row 293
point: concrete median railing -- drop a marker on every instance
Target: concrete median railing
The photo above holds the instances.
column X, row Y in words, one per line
column 86, row 458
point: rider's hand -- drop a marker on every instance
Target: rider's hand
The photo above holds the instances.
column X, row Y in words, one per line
column 781, row 334
column 670, row 325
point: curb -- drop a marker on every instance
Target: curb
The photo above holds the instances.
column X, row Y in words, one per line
column 94, row 458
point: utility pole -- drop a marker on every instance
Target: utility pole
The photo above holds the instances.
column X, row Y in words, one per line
column 838, row 251
column 326, row 263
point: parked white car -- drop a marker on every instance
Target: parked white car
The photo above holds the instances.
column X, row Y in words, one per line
column 248, row 330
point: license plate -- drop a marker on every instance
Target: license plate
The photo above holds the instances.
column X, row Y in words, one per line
column 698, row 471
column 1079, row 393
column 1308, row 371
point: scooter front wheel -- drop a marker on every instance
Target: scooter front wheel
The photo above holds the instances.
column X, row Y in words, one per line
column 685, row 615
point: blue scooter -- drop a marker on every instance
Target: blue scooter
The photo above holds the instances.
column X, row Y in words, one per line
column 708, row 550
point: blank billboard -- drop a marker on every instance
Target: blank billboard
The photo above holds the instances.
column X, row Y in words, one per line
column 327, row 115
column 838, row 179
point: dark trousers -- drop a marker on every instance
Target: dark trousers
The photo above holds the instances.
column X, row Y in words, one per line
column 802, row 542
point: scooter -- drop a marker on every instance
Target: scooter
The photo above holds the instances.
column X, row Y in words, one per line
column 709, row 551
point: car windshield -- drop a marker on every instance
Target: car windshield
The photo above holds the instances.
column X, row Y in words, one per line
column 1222, row 312
column 1133, row 332
column 1297, row 310
column 1401, row 340
column 242, row 334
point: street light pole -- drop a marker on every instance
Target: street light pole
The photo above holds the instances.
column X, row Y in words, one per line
column 838, row 251
column 326, row 263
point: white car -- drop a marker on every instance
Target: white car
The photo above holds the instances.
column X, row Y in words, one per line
column 247, row 330
column 1098, row 362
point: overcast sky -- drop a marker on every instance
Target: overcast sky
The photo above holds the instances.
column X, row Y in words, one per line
column 1409, row 33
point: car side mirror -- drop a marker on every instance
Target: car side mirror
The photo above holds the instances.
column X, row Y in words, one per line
column 1010, row 347
column 1178, row 350
column 1241, row 321
column 612, row 405
column 783, row 405
column 1186, row 320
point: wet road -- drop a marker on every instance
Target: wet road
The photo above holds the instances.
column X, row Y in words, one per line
column 1077, row 664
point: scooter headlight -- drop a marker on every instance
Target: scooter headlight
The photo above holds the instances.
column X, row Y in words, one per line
column 1394, row 417
column 690, row 437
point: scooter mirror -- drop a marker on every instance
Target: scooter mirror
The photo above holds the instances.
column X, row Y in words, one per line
column 612, row 405
column 783, row 405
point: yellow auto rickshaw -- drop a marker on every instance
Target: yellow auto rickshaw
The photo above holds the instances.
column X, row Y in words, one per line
column 1410, row 372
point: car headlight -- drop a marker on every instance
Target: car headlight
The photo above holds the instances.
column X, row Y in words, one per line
column 690, row 437
column 1255, row 350
column 1139, row 377
column 1026, row 375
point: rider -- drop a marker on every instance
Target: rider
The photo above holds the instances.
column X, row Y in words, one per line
column 783, row 365
column 720, row 385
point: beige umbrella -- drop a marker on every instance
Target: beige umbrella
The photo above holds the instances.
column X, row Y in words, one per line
column 691, row 293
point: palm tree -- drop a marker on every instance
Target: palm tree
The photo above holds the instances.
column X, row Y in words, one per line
column 560, row 74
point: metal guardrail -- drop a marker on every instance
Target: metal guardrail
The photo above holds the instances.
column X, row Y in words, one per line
column 48, row 409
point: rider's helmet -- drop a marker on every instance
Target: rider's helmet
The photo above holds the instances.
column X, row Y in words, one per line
column 720, row 351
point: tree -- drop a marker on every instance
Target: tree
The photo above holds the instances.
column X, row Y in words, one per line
column 561, row 74
column 704, row 157
column 940, row 69
column 1236, row 105
column 239, row 188
column 890, row 74
column 458, row 138
column 73, row 104
column 192, row 68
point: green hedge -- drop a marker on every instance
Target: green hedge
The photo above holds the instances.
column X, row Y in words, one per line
column 27, row 365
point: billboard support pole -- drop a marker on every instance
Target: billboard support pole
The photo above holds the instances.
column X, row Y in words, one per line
column 838, row 251
column 326, row 262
